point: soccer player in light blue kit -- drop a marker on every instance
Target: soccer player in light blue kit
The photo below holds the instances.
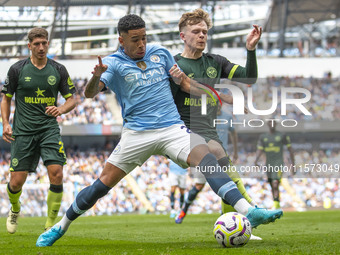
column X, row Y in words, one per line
column 139, row 75
column 178, row 178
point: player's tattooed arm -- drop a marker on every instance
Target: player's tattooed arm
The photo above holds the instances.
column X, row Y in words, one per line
column 186, row 84
column 191, row 86
column 94, row 85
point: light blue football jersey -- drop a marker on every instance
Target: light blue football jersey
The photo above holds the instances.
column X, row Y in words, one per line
column 176, row 169
column 144, row 95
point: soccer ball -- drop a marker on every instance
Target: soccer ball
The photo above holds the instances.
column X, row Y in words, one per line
column 232, row 230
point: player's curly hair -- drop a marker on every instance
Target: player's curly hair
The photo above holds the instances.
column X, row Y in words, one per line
column 193, row 18
column 130, row 22
column 37, row 32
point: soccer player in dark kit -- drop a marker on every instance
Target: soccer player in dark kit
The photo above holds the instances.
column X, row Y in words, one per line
column 35, row 82
column 271, row 144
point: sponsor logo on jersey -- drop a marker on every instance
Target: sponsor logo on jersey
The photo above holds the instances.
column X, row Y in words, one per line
column 211, row 72
column 52, row 80
column 271, row 148
column 204, row 98
column 155, row 58
column 28, row 79
column 40, row 99
column 15, row 162
column 40, row 92
column 145, row 78
column 198, row 101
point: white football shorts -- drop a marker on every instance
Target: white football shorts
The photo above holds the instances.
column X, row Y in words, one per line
column 135, row 147
column 179, row 180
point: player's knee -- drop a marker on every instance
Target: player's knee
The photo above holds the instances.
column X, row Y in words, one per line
column 57, row 178
column 15, row 185
column 17, row 180
column 218, row 152
column 197, row 154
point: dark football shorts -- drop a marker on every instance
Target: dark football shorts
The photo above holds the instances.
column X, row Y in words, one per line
column 27, row 149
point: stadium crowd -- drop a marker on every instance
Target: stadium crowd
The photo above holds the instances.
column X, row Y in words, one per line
column 84, row 167
column 324, row 103
column 152, row 177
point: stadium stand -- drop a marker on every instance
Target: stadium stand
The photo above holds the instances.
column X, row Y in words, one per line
column 96, row 123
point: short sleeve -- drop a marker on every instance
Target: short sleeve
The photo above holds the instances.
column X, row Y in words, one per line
column 108, row 76
column 67, row 87
column 11, row 82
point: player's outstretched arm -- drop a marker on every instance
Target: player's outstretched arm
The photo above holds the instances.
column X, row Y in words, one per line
column 94, row 85
column 248, row 74
column 5, row 112
column 253, row 38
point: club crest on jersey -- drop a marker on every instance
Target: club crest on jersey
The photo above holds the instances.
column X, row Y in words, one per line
column 51, row 80
column 155, row 59
column 211, row 72
column 141, row 65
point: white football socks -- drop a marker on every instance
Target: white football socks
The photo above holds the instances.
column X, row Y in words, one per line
column 242, row 206
column 64, row 223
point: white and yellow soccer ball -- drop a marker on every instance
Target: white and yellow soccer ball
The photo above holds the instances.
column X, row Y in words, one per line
column 232, row 230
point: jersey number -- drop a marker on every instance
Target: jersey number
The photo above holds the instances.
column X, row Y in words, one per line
column 61, row 149
column 188, row 130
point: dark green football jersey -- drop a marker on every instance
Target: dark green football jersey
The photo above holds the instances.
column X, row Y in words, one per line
column 208, row 70
column 272, row 144
column 34, row 90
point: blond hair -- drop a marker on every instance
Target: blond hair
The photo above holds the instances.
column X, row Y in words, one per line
column 193, row 18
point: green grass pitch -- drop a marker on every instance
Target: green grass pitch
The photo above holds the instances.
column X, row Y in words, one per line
column 312, row 232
